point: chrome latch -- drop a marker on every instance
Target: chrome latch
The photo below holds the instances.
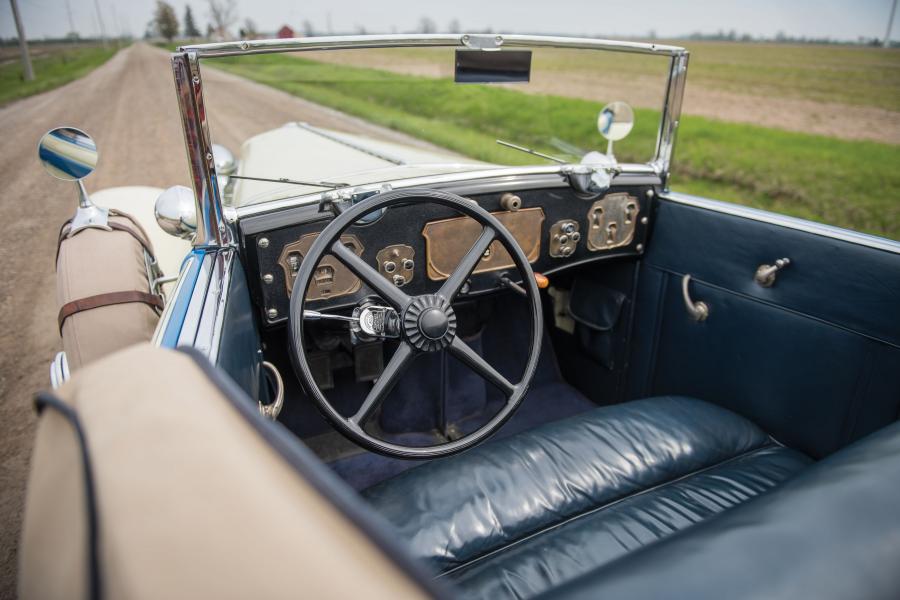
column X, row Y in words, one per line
column 699, row 311
column 765, row 274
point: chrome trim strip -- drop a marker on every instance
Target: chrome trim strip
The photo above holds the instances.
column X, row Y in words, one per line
column 167, row 330
column 198, row 299
column 488, row 42
column 212, row 319
column 552, row 177
column 830, row 231
column 339, row 140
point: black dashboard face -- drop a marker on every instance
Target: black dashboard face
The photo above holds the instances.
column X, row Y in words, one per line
column 416, row 245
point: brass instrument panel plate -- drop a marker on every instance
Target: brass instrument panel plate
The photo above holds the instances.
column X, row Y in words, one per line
column 612, row 221
column 396, row 263
column 448, row 240
column 331, row 278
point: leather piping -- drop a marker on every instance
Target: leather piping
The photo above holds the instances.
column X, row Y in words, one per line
column 43, row 401
column 107, row 299
column 772, row 443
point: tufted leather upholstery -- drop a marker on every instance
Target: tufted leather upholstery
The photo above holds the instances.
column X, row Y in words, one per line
column 519, row 516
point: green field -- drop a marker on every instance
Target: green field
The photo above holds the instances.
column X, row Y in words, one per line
column 847, row 183
column 53, row 65
column 855, row 75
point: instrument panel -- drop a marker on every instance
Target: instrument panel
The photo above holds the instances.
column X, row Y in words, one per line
column 418, row 246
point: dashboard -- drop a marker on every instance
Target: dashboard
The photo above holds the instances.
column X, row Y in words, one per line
column 416, row 246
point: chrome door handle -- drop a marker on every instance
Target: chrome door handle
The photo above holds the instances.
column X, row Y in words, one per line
column 699, row 311
column 765, row 274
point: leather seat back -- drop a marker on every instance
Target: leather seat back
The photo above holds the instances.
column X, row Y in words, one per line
column 831, row 532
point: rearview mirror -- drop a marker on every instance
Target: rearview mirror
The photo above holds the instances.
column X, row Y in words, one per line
column 615, row 122
column 68, row 153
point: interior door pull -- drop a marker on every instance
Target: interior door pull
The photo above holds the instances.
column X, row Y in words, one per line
column 698, row 310
column 765, row 274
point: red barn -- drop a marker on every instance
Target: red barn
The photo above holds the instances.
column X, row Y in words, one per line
column 286, row 32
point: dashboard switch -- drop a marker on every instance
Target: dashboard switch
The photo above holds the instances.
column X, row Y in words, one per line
column 564, row 237
column 396, row 263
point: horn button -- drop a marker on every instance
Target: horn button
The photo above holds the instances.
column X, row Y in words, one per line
column 433, row 323
column 429, row 323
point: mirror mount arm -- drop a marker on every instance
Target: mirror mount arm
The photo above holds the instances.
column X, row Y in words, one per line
column 88, row 213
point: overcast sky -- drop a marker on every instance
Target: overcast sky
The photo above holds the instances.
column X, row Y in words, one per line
column 838, row 19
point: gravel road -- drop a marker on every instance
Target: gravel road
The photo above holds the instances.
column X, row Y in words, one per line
column 128, row 105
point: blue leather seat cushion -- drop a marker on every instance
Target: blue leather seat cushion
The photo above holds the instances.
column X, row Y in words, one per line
column 518, row 516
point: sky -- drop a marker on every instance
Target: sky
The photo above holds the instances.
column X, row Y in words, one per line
column 836, row 19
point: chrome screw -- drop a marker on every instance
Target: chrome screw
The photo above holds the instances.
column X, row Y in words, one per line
column 267, row 278
column 272, row 313
column 650, row 193
column 408, row 264
column 263, row 242
column 639, row 247
column 644, row 220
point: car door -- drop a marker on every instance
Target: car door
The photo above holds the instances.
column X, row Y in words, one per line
column 814, row 358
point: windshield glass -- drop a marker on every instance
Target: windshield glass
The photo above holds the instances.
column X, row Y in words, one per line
column 353, row 117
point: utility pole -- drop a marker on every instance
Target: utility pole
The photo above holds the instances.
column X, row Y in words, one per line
column 23, row 43
column 887, row 36
column 100, row 21
column 71, row 20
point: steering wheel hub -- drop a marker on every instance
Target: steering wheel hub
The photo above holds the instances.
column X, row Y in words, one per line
column 429, row 323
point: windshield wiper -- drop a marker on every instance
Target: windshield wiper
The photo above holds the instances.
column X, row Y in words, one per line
column 323, row 184
column 530, row 151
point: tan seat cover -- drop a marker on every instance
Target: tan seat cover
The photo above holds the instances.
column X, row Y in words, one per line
column 193, row 502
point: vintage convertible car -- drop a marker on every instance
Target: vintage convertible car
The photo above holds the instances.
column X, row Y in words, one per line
column 355, row 364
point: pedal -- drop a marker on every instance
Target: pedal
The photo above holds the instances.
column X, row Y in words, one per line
column 320, row 365
column 368, row 361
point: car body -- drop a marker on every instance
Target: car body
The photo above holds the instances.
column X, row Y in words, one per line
column 707, row 406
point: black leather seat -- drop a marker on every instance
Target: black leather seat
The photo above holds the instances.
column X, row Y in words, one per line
column 522, row 515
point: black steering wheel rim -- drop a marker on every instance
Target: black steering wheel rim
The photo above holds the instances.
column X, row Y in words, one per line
column 328, row 242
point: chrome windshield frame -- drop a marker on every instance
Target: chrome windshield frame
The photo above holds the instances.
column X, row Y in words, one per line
column 212, row 225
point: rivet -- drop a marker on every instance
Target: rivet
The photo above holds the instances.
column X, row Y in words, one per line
column 245, row 46
column 465, row 38
column 272, row 313
column 263, row 242
column 267, row 278
column 644, row 220
column 650, row 193
column 639, row 247
column 209, row 156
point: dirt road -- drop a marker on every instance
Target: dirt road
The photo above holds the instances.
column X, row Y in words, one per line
column 128, row 105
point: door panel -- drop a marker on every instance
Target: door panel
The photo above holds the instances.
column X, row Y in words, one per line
column 814, row 359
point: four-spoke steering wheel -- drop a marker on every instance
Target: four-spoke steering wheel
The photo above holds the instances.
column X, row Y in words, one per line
column 424, row 323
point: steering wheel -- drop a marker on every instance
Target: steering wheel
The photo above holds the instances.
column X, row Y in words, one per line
column 424, row 323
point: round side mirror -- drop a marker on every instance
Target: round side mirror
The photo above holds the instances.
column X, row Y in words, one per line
column 176, row 212
column 615, row 120
column 68, row 153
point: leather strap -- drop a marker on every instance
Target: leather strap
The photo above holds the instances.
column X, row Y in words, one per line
column 139, row 234
column 108, row 299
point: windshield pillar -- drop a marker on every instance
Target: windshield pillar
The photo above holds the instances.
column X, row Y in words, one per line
column 212, row 230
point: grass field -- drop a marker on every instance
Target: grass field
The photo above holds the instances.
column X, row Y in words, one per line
column 53, row 64
column 852, row 184
column 855, row 75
